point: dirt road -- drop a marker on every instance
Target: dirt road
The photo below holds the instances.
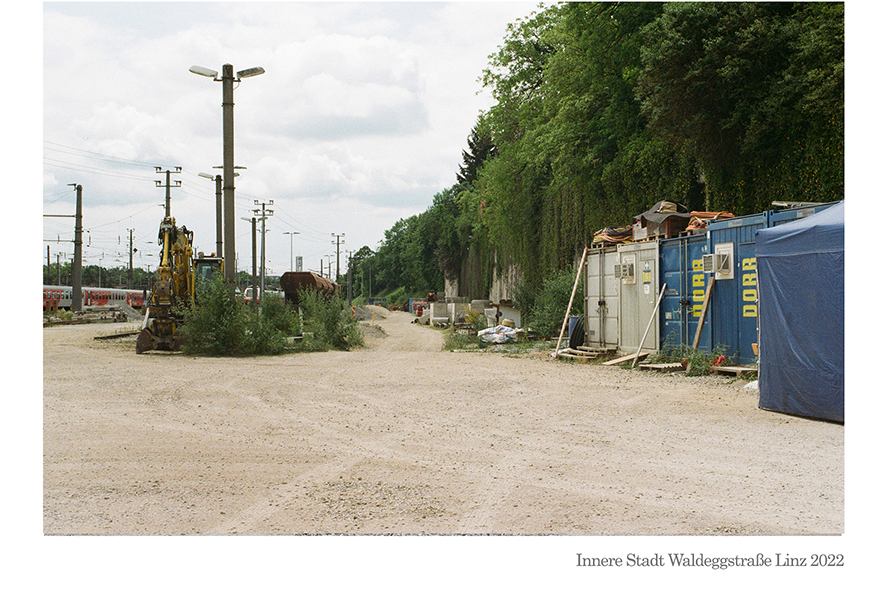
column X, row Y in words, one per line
column 402, row 437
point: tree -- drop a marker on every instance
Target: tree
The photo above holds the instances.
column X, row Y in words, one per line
column 480, row 148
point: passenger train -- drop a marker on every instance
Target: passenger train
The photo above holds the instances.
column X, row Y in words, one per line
column 59, row 297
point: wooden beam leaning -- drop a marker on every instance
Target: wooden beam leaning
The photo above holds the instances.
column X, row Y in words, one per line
column 649, row 326
column 581, row 267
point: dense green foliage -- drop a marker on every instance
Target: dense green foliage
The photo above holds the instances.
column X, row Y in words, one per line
column 603, row 109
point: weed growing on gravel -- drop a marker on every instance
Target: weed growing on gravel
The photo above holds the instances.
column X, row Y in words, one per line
column 452, row 340
column 697, row 363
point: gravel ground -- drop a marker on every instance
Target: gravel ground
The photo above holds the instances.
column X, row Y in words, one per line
column 401, row 437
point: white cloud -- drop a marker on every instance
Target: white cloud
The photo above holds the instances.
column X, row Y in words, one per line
column 359, row 119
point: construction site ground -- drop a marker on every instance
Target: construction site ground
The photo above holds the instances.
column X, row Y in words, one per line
column 402, row 437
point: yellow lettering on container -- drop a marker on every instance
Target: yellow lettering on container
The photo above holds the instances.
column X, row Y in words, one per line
column 749, row 282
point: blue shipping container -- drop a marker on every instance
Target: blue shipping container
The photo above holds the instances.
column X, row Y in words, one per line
column 733, row 307
column 789, row 215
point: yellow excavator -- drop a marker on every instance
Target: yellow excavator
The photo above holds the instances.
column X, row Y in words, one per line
column 178, row 277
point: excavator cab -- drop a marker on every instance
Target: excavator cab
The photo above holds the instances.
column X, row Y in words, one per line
column 206, row 268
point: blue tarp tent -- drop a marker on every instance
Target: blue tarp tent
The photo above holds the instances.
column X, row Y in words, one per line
column 800, row 282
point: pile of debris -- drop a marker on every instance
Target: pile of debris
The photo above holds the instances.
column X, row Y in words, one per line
column 667, row 219
column 503, row 333
column 614, row 235
column 700, row 219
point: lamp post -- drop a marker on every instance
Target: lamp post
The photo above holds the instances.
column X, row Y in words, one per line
column 219, row 243
column 218, row 210
column 227, row 80
column 290, row 234
column 254, row 294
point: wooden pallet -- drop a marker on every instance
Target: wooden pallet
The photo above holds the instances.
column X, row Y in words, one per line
column 625, row 358
column 669, row 367
column 595, row 350
column 733, row 370
column 582, row 354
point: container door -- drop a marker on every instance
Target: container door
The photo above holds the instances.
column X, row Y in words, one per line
column 609, row 305
column 638, row 296
column 601, row 295
column 673, row 304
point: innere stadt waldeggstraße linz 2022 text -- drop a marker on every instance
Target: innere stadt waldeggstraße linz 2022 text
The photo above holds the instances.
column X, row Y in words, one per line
column 712, row 562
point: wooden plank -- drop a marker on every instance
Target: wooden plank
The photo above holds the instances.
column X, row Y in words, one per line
column 117, row 335
column 582, row 353
column 593, row 349
column 704, row 312
column 621, row 360
column 662, row 367
column 701, row 319
column 651, row 319
column 581, row 267
column 734, row 370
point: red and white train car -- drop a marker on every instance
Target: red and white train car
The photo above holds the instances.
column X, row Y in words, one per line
column 60, row 297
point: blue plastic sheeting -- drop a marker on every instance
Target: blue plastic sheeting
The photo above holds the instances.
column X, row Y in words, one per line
column 800, row 276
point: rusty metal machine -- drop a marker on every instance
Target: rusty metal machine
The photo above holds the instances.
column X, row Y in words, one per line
column 292, row 282
column 178, row 275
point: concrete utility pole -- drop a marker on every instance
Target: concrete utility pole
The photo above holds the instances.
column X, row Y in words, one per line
column 350, row 292
column 254, row 296
column 227, row 80
column 168, row 185
column 129, row 275
column 265, row 213
column 77, row 266
column 228, row 167
column 219, row 215
column 219, row 243
column 290, row 234
column 338, row 242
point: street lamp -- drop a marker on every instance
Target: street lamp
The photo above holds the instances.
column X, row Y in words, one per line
column 228, row 79
column 218, row 208
column 290, row 233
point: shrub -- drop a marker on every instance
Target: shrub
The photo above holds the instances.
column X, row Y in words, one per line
column 217, row 323
column 476, row 319
column 326, row 323
column 270, row 326
column 549, row 309
column 397, row 297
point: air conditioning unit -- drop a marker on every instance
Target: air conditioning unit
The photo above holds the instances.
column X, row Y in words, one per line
column 625, row 270
column 719, row 263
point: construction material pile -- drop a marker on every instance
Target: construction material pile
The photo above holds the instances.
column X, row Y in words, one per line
column 614, row 235
column 700, row 219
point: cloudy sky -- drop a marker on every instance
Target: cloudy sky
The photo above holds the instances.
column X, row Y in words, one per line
column 359, row 119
